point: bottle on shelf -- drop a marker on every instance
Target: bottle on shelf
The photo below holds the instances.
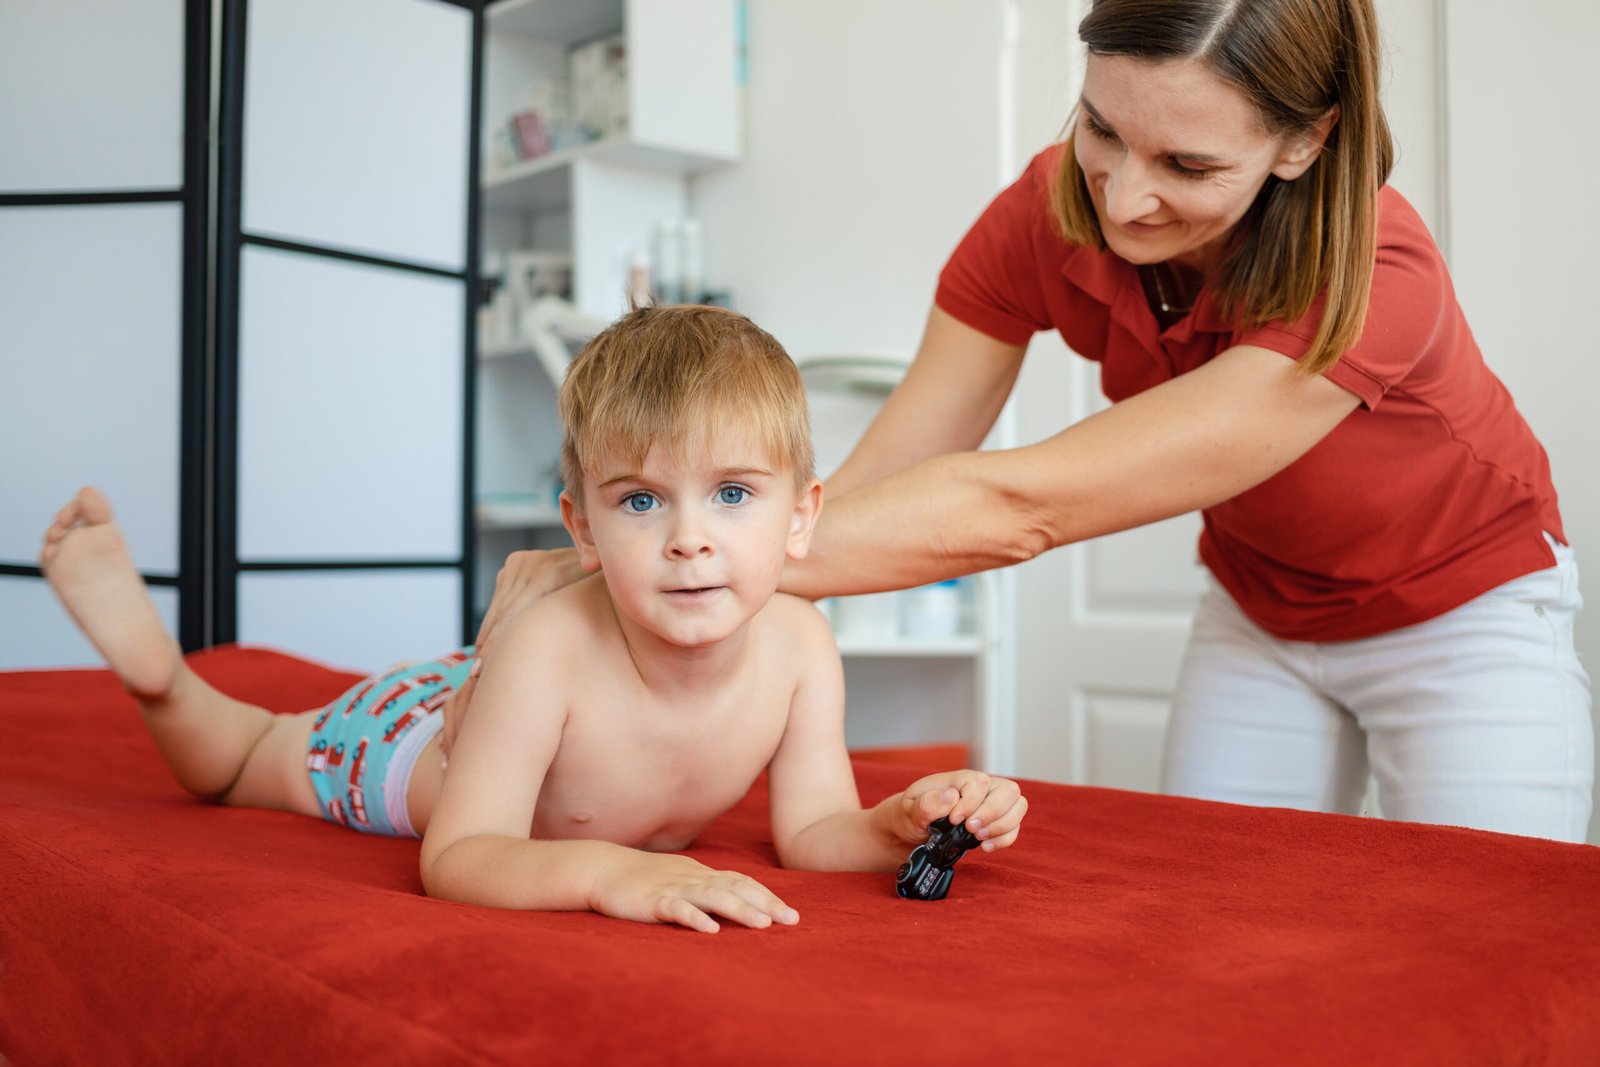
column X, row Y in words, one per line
column 693, row 273
column 669, row 261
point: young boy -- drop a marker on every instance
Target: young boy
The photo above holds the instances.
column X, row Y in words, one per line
column 614, row 719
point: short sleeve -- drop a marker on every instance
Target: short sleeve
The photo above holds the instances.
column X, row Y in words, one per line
column 1410, row 301
column 992, row 281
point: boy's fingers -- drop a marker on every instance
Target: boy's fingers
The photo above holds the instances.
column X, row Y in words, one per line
column 1004, row 823
column 1003, row 796
column 453, row 709
column 934, row 804
column 1003, row 841
column 681, row 911
column 974, row 788
column 730, row 905
column 759, row 896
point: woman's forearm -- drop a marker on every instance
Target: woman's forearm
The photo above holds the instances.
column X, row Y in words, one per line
column 944, row 517
column 1186, row 444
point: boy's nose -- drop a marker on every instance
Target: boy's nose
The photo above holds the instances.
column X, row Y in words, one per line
column 688, row 540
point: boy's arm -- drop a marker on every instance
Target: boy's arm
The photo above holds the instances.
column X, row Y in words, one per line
column 477, row 849
column 817, row 819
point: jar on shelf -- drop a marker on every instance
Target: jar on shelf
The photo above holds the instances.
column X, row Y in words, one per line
column 932, row 611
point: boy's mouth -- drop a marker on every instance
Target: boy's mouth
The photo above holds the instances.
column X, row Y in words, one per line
column 690, row 592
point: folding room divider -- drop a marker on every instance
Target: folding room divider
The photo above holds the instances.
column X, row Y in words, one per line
column 236, row 292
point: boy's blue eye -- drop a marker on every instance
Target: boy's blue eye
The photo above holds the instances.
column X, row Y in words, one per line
column 732, row 494
column 638, row 502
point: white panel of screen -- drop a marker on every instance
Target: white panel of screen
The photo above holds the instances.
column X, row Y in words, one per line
column 355, row 126
column 91, row 95
column 350, row 410
column 39, row 633
column 358, row 620
column 90, row 368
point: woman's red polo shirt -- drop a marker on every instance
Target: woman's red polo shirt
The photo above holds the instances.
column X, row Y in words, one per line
column 1430, row 493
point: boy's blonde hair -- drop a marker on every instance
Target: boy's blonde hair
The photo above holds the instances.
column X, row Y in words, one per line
column 666, row 375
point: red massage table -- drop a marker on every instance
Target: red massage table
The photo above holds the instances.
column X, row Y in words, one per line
column 140, row 926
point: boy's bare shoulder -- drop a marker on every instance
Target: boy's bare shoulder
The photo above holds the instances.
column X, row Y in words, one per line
column 569, row 618
column 797, row 620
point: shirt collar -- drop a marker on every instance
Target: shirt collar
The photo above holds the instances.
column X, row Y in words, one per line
column 1109, row 279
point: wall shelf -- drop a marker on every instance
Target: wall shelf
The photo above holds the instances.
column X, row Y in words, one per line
column 545, row 183
column 556, row 21
column 516, row 513
column 961, row 645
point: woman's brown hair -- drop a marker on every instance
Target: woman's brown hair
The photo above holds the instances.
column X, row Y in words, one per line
column 1293, row 59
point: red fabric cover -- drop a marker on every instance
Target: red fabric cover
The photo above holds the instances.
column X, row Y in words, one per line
column 1433, row 493
column 141, row 926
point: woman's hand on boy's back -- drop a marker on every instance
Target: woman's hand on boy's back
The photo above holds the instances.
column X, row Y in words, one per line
column 525, row 577
column 991, row 807
column 655, row 887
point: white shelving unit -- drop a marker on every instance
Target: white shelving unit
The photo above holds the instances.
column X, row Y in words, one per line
column 894, row 678
column 599, row 202
column 959, row 646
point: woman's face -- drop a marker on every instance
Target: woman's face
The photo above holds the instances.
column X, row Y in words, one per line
column 1174, row 157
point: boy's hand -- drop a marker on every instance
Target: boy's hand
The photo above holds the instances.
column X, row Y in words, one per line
column 658, row 888
column 992, row 808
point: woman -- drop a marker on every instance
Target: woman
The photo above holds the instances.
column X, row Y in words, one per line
column 1283, row 347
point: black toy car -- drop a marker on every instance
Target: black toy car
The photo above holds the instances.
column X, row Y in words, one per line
column 926, row 874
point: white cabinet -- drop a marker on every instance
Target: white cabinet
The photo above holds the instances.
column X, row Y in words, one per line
column 614, row 105
column 674, row 109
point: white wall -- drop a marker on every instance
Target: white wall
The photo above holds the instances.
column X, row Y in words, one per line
column 871, row 145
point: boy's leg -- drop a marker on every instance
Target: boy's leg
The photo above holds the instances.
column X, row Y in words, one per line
column 206, row 738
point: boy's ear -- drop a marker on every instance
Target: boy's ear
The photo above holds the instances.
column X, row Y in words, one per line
column 804, row 519
column 1302, row 150
column 578, row 528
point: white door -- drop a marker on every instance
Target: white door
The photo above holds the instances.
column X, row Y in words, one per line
column 1100, row 626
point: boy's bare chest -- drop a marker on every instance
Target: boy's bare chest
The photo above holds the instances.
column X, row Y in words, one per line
column 653, row 776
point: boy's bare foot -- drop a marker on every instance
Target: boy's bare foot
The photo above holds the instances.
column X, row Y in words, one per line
column 87, row 564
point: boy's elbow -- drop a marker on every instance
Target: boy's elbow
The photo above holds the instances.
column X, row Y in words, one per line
column 428, row 868
column 435, row 868
column 798, row 853
column 789, row 858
